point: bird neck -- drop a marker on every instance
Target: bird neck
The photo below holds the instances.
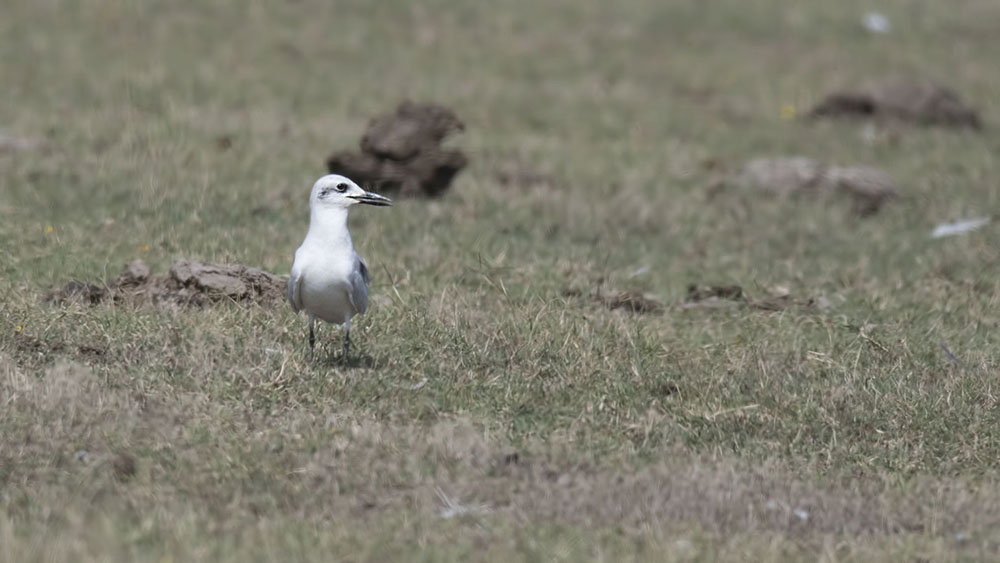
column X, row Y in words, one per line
column 329, row 226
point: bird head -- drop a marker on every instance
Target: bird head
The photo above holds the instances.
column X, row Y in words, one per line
column 335, row 191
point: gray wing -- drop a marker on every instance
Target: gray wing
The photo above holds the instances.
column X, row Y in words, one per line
column 295, row 289
column 359, row 286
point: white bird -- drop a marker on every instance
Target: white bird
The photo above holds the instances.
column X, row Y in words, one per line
column 329, row 280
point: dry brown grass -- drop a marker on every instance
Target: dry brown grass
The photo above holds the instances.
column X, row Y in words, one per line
column 222, row 467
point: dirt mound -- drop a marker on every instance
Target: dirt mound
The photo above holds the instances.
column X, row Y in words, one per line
column 401, row 152
column 627, row 300
column 516, row 173
column 868, row 188
column 909, row 100
column 701, row 297
column 187, row 282
column 631, row 301
column 724, row 296
column 696, row 294
column 80, row 292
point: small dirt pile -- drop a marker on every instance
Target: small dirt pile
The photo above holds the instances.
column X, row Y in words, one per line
column 725, row 296
column 897, row 99
column 627, row 300
column 188, row 283
column 867, row 188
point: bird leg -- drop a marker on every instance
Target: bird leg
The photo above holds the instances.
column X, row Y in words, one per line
column 347, row 339
column 312, row 337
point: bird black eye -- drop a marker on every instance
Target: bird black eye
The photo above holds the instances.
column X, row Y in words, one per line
column 342, row 187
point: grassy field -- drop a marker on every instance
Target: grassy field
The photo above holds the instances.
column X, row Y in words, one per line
column 549, row 427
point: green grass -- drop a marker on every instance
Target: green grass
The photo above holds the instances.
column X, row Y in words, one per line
column 573, row 432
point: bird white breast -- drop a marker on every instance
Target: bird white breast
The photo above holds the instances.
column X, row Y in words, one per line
column 326, row 292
